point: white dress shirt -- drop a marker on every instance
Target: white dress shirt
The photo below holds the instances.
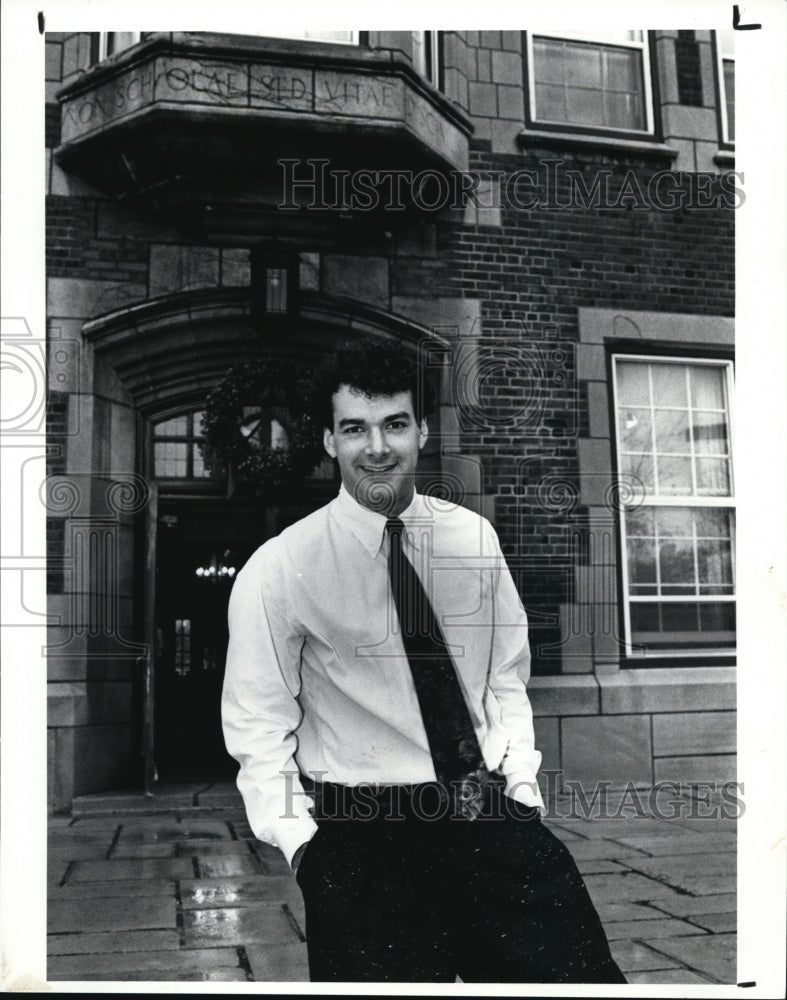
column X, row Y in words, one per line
column 317, row 679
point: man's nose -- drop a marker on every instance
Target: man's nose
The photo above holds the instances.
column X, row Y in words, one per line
column 376, row 442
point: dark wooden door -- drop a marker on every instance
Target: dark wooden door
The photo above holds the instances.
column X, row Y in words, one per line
column 201, row 545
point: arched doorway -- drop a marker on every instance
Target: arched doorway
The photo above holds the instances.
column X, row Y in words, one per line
column 203, row 539
column 168, row 355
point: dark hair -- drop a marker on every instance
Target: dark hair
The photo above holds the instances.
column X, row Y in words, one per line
column 377, row 367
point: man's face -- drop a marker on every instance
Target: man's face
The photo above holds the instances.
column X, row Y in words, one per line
column 376, row 441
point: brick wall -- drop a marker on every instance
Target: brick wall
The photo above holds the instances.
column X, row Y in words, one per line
column 530, row 270
column 531, row 274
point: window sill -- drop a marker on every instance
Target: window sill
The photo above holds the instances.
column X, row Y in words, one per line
column 725, row 158
column 622, row 692
column 596, row 143
column 664, row 689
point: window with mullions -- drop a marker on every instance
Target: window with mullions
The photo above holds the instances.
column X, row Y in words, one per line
column 590, row 80
column 339, row 37
column 176, row 448
column 674, row 446
column 109, row 43
column 725, row 71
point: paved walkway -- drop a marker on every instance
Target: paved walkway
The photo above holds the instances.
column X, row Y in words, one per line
column 177, row 888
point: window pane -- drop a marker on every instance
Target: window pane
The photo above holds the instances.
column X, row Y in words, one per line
column 729, row 94
column 198, row 465
column 345, row 37
column 669, row 385
column 117, row 41
column 672, row 431
column 640, row 522
column 710, row 433
column 713, row 477
column 583, row 63
column 588, row 84
column 551, row 102
column 551, row 62
column 718, row 617
column 623, row 111
column 639, row 468
column 584, row 107
column 707, row 388
column 632, row 380
column 680, row 617
column 635, row 430
column 170, row 458
column 645, row 618
column 419, row 51
column 642, row 562
column 623, row 70
column 175, row 427
column 196, row 423
column 615, row 36
column 713, row 523
column 674, row 476
column 676, row 562
column 714, row 563
column 675, row 522
column 683, row 624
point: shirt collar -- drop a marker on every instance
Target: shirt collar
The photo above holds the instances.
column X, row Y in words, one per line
column 369, row 526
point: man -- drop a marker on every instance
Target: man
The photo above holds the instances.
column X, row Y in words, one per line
column 376, row 675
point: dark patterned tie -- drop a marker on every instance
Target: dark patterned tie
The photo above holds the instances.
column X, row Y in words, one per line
column 458, row 761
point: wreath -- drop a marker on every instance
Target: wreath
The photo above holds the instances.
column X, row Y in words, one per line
column 256, row 428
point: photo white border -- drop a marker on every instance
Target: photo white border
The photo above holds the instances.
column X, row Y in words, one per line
column 761, row 453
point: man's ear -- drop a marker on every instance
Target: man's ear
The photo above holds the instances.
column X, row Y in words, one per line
column 327, row 440
column 423, row 435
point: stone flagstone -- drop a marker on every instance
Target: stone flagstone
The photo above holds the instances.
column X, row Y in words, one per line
column 683, row 906
column 113, row 942
column 190, row 895
column 268, row 922
column 218, row 964
column 648, row 930
column 285, row 964
column 142, row 868
column 115, row 914
column 713, row 955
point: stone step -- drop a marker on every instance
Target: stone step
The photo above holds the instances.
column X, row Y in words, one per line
column 183, row 798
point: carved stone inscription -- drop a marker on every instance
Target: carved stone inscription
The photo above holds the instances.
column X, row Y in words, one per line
column 358, row 95
column 261, row 86
column 202, row 82
column 281, row 88
column 120, row 96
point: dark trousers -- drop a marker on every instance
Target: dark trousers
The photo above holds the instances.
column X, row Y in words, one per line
column 398, row 897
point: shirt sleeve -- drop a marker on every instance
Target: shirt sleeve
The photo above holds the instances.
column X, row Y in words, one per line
column 508, row 676
column 260, row 712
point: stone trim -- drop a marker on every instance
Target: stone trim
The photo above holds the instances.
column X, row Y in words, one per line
column 596, row 143
column 645, row 691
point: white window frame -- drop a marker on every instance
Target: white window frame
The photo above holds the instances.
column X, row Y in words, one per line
column 727, row 502
column 600, row 39
column 725, row 41
column 103, row 43
column 303, row 36
column 429, row 46
column 354, row 39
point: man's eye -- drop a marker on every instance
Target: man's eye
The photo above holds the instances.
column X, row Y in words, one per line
column 397, row 425
column 351, row 430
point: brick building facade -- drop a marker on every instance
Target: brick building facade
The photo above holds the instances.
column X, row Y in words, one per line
column 568, row 245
